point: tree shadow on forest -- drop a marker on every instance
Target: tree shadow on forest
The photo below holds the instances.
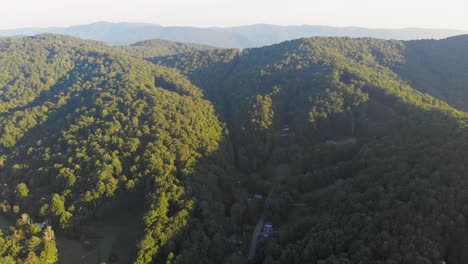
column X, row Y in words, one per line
column 55, row 121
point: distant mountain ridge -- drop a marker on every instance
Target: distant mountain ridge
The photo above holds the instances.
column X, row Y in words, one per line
column 229, row 37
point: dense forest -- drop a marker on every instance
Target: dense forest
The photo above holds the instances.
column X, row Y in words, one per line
column 340, row 150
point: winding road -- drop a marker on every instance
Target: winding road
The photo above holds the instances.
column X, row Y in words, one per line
column 258, row 228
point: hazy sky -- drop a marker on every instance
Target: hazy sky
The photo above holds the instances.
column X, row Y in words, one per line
column 367, row 13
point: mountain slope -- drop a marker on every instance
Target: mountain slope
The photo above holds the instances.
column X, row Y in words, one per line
column 439, row 68
column 358, row 159
column 363, row 171
column 157, row 48
column 87, row 130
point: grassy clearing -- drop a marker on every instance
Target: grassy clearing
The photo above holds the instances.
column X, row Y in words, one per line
column 115, row 239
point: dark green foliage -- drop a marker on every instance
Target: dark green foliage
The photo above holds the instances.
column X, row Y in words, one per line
column 109, row 128
column 439, row 68
column 361, row 156
column 158, row 47
column 27, row 243
column 358, row 166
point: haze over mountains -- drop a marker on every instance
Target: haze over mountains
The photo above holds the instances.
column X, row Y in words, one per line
column 254, row 132
column 229, row 37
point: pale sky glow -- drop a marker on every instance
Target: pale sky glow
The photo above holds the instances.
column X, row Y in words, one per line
column 203, row 13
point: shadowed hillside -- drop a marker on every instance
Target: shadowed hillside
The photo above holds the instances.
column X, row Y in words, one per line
column 320, row 150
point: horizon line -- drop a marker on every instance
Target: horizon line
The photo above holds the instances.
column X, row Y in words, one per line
column 236, row 26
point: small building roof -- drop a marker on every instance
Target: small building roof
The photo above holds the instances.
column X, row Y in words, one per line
column 258, row 196
column 267, row 229
column 41, row 225
column 339, row 182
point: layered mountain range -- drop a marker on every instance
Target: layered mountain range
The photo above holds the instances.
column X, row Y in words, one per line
column 227, row 37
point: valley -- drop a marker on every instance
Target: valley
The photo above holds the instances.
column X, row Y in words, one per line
column 315, row 150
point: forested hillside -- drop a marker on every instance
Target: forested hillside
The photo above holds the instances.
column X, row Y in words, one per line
column 368, row 170
column 86, row 132
column 439, row 68
column 352, row 149
column 157, row 47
